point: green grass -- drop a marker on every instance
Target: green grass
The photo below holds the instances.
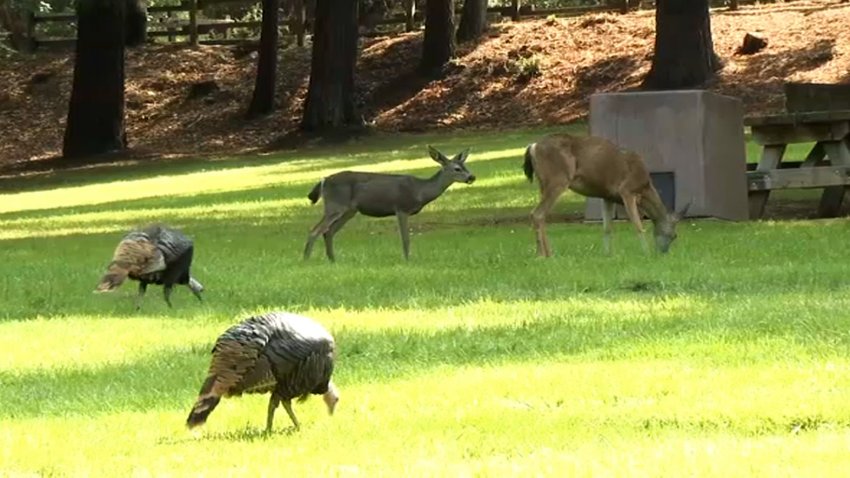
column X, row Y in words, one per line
column 727, row 357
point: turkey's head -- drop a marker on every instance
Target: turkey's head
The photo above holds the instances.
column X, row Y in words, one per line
column 110, row 281
column 331, row 397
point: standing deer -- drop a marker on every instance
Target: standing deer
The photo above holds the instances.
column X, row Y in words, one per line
column 380, row 195
column 595, row 167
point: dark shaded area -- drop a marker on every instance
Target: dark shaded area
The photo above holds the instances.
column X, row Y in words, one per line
column 607, row 73
column 775, row 68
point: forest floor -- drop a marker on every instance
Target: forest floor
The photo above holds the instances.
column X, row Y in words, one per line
column 490, row 85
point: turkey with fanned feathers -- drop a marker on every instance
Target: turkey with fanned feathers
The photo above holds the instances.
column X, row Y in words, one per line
column 155, row 254
column 285, row 354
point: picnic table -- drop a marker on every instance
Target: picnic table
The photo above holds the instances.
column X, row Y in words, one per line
column 826, row 166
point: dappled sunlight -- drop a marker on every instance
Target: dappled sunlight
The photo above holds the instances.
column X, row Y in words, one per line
column 237, row 179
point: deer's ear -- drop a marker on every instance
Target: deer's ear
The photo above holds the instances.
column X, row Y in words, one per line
column 436, row 155
column 461, row 157
column 678, row 215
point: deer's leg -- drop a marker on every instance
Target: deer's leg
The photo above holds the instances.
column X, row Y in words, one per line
column 630, row 201
column 548, row 195
column 607, row 226
column 319, row 229
column 405, row 232
column 335, row 227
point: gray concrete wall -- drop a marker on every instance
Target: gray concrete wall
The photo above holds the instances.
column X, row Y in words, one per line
column 695, row 134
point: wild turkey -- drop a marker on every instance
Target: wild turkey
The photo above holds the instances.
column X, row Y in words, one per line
column 282, row 353
column 156, row 254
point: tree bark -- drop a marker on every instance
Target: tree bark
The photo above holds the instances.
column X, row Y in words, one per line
column 262, row 101
column 684, row 52
column 96, row 110
column 330, row 96
column 473, row 20
column 438, row 46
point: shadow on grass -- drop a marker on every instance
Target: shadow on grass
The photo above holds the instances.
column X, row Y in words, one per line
column 370, row 150
column 286, row 188
column 249, row 434
column 164, row 379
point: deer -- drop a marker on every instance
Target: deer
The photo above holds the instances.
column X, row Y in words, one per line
column 595, row 167
column 381, row 195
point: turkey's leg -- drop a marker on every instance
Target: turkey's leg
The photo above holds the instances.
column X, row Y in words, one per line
column 143, row 286
column 287, row 404
column 274, row 401
column 166, row 292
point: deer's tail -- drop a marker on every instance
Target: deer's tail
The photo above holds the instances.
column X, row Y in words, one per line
column 316, row 192
column 528, row 165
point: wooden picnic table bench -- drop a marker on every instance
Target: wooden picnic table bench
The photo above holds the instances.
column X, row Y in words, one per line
column 826, row 166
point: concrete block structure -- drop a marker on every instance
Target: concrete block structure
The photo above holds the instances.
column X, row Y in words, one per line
column 692, row 142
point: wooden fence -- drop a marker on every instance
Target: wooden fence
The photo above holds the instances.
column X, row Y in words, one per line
column 183, row 23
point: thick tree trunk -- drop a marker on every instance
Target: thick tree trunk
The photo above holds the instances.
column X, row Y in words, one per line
column 684, row 53
column 330, row 96
column 473, row 20
column 96, row 110
column 262, row 102
column 438, row 46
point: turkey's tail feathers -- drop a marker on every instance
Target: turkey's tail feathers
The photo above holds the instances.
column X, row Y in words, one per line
column 196, row 287
column 528, row 164
column 207, row 401
column 134, row 255
column 316, row 192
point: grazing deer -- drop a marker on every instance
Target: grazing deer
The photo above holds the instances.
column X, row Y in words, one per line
column 595, row 167
column 379, row 195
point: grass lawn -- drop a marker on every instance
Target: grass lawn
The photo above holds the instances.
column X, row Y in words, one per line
column 727, row 357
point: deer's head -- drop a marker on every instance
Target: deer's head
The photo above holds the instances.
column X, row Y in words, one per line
column 454, row 168
column 665, row 231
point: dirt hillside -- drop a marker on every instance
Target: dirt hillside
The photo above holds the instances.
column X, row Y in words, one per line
column 531, row 72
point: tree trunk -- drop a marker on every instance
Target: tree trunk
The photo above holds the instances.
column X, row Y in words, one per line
column 262, row 102
column 473, row 20
column 684, row 53
column 438, row 46
column 330, row 96
column 96, row 111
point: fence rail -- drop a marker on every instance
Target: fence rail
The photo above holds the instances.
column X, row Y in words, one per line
column 181, row 23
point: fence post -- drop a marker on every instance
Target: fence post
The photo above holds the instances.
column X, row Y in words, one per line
column 515, row 5
column 193, row 22
column 409, row 13
column 169, row 20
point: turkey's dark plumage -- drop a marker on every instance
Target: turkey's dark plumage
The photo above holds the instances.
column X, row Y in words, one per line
column 154, row 255
column 285, row 354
